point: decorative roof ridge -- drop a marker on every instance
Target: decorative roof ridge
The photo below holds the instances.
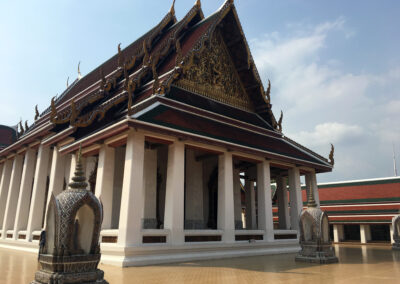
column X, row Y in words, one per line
column 64, row 115
column 151, row 34
column 163, row 50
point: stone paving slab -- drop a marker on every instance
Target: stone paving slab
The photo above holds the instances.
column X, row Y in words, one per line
column 358, row 264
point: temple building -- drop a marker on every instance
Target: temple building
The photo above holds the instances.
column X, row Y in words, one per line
column 361, row 210
column 170, row 127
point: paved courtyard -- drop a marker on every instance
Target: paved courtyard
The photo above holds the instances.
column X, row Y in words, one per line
column 358, row 264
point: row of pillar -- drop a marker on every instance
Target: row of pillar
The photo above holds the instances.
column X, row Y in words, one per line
column 24, row 189
column 365, row 233
column 289, row 217
column 24, row 180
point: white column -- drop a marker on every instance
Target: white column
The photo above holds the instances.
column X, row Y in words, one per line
column 237, row 199
column 226, row 219
column 391, row 234
column 296, row 199
column 338, row 233
column 132, row 199
column 174, row 193
column 38, row 192
column 57, row 172
column 4, row 186
column 250, row 205
column 193, row 192
column 365, row 233
column 283, row 208
column 12, row 198
column 1, row 171
column 265, row 218
column 22, row 213
column 105, row 182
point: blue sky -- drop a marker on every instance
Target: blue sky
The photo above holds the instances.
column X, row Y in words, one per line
column 334, row 65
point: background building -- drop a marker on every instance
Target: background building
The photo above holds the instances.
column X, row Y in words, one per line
column 358, row 210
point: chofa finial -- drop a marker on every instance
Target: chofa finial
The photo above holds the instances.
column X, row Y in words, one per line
column 36, row 112
column 198, row 3
column 79, row 179
column 79, row 71
column 119, row 55
column 331, row 154
column 268, row 92
column 280, row 122
column 67, row 82
column 172, row 10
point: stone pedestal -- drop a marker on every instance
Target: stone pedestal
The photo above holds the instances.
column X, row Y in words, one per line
column 69, row 246
column 314, row 235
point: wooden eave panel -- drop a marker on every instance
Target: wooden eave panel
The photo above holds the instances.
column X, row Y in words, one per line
column 189, row 123
column 31, row 137
column 207, row 104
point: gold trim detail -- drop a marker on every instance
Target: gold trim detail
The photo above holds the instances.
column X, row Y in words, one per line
column 211, row 73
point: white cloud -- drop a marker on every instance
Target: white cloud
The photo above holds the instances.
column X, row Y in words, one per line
column 330, row 132
column 323, row 102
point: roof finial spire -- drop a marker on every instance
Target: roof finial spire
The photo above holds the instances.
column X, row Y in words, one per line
column 198, row 3
column 79, row 179
column 79, row 71
column 172, row 10
column 67, row 82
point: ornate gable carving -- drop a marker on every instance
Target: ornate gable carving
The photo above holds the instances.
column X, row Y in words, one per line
column 213, row 74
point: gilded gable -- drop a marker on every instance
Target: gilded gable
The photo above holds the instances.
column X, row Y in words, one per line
column 214, row 75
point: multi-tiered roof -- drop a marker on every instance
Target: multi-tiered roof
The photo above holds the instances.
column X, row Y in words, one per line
column 195, row 78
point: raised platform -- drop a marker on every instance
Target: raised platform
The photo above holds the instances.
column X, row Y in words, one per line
column 149, row 254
